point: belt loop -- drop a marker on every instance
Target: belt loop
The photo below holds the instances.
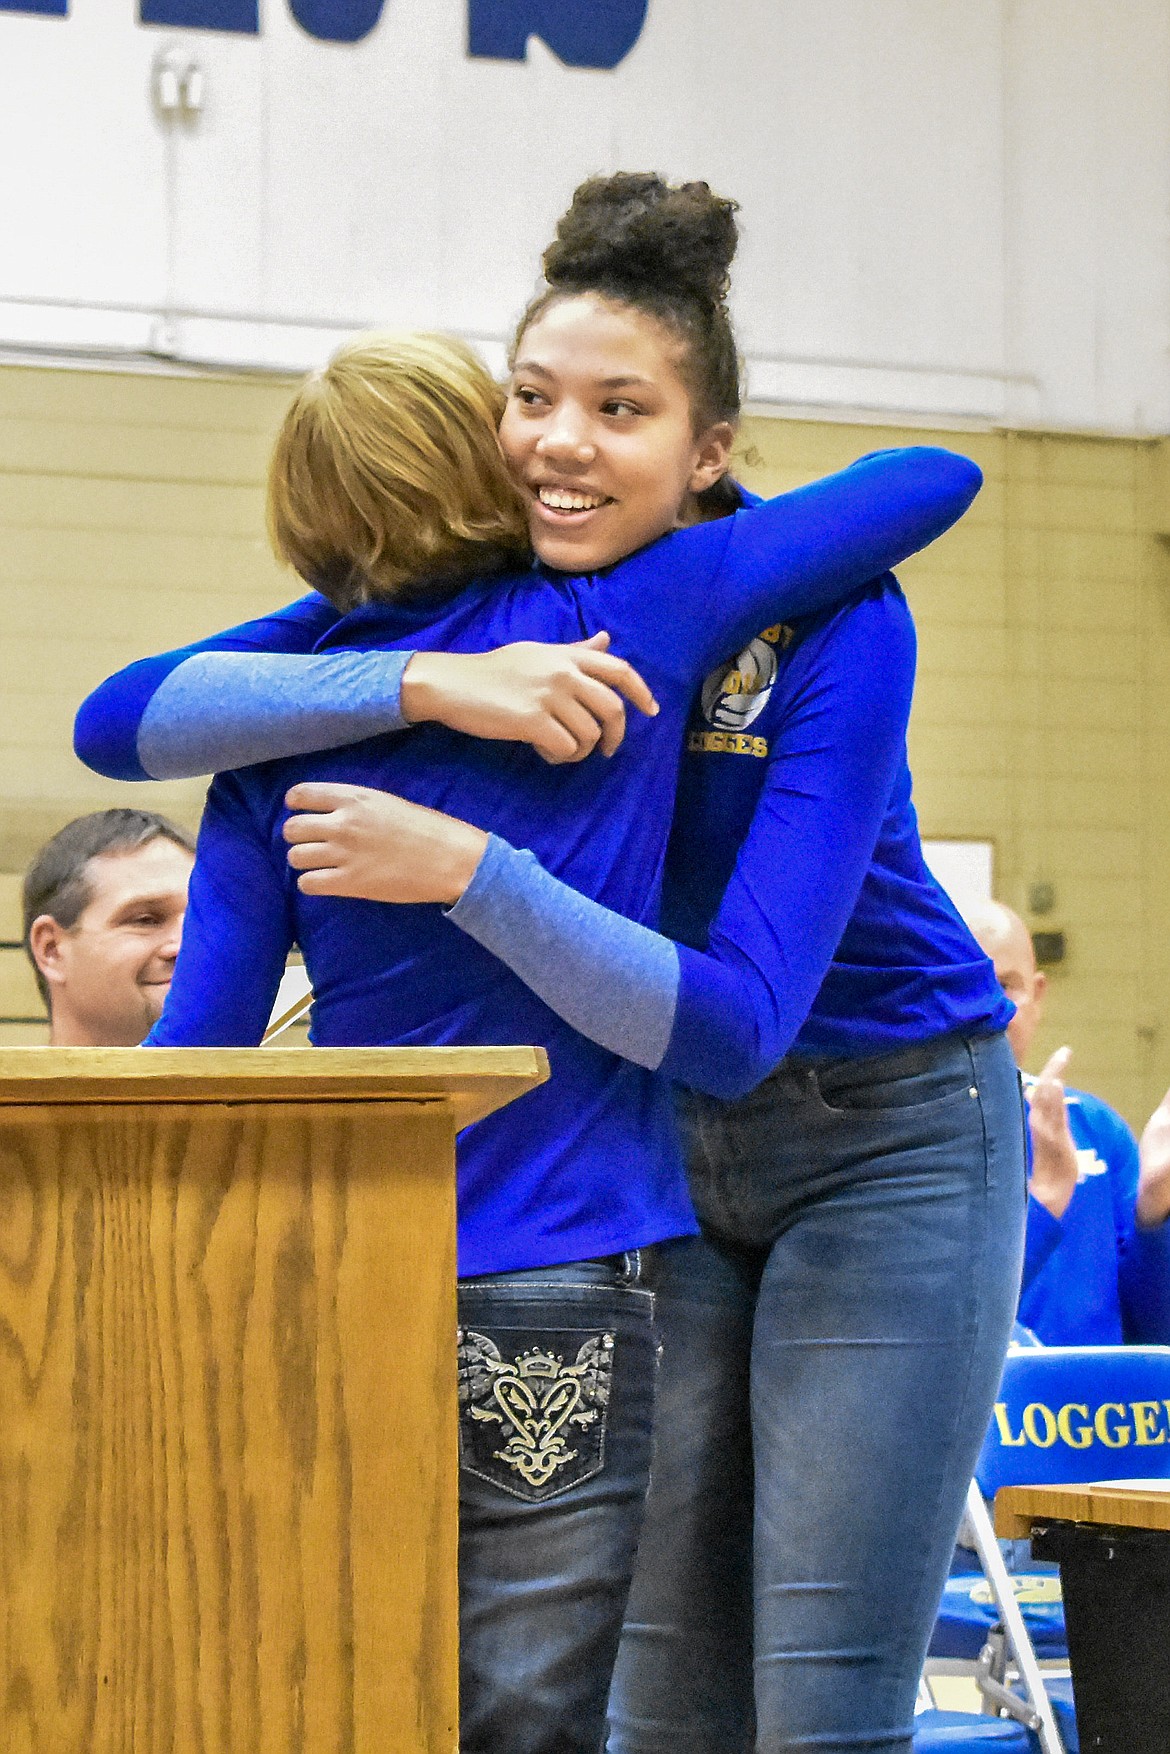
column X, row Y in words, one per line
column 631, row 1266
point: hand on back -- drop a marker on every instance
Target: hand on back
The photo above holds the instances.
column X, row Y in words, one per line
column 355, row 841
column 564, row 700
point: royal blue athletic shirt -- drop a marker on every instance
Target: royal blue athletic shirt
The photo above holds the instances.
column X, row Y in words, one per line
column 795, row 806
column 807, row 922
column 1104, row 1281
column 588, row 1164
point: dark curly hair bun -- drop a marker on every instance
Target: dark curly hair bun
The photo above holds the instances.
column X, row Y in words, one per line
column 633, row 233
column 665, row 251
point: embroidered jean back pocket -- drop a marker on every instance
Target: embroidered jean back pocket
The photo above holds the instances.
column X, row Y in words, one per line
column 533, row 1406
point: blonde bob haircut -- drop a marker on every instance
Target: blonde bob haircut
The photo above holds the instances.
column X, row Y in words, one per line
column 386, row 477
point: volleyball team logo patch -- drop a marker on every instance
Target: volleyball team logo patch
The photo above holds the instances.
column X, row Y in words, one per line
column 534, row 1422
column 737, row 693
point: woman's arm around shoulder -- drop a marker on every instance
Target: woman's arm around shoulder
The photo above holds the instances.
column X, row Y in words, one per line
column 177, row 714
column 688, row 600
column 259, row 693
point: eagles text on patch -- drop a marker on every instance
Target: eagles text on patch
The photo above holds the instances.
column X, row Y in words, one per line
column 726, row 743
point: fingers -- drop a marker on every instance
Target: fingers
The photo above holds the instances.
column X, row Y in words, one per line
column 608, row 712
column 619, row 675
column 320, row 795
column 1047, row 1106
column 328, row 880
column 312, row 855
column 307, row 828
column 1055, row 1067
column 554, row 743
column 597, row 642
column 613, row 729
column 579, row 727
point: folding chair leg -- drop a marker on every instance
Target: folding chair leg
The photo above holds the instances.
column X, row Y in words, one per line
column 926, row 1700
column 998, row 1576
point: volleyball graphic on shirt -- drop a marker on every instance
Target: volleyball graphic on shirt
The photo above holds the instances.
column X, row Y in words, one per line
column 736, row 693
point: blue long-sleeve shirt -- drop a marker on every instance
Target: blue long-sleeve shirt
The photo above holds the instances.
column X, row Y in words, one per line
column 1097, row 1278
column 806, row 919
column 588, row 1164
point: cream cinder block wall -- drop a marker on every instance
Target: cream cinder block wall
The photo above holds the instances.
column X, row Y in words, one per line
column 131, row 518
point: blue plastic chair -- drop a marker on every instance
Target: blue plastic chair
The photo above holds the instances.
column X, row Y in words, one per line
column 962, row 1732
column 1065, row 1415
column 1072, row 1414
column 958, row 1732
column 968, row 1614
column 1060, row 1694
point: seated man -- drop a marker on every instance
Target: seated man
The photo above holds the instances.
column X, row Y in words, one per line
column 103, row 914
column 1097, row 1262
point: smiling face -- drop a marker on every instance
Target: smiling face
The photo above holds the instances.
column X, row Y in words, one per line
column 599, row 431
column 109, row 973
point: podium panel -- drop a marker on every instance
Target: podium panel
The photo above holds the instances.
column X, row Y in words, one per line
column 227, row 1406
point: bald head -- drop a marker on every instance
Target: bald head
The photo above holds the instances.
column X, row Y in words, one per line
column 1004, row 937
column 1001, row 932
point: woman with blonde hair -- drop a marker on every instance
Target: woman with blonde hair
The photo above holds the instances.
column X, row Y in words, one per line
column 388, row 462
column 618, row 427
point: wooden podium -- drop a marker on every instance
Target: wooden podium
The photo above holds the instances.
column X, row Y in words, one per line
column 227, row 1396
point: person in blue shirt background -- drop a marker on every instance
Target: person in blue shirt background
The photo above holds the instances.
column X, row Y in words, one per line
column 589, row 1168
column 1097, row 1261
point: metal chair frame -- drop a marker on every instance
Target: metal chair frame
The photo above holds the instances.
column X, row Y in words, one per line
column 1033, row 1708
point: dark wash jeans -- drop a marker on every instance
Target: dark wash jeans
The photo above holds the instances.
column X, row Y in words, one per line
column 557, row 1371
column 832, row 1346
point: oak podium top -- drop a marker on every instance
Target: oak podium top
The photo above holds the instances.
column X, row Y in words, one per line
column 473, row 1081
column 1114, row 1503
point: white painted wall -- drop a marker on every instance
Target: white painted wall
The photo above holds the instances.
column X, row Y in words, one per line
column 950, row 207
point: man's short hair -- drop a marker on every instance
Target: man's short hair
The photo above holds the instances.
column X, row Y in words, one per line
column 57, row 882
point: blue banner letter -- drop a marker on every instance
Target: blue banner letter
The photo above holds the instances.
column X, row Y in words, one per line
column 581, row 33
column 242, row 16
column 44, row 8
column 337, row 21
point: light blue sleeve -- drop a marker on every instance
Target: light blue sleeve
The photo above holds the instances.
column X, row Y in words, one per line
column 105, row 732
column 222, row 710
column 612, row 979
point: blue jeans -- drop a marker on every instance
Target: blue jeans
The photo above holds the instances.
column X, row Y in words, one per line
column 556, row 1391
column 831, row 1350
